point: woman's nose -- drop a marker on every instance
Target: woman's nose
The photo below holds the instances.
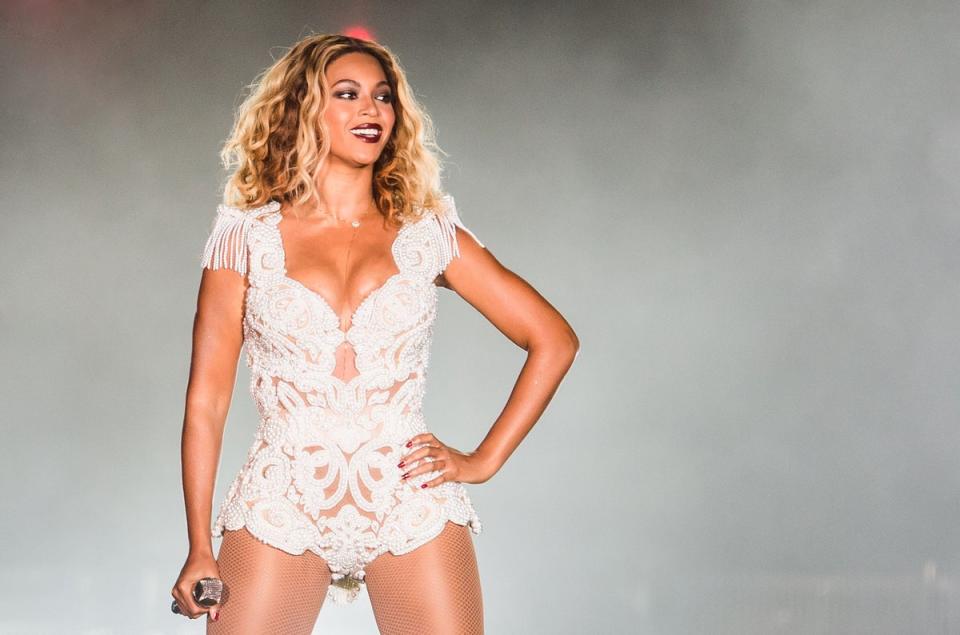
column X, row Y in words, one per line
column 368, row 106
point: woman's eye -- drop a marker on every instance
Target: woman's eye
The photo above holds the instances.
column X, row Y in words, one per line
column 386, row 98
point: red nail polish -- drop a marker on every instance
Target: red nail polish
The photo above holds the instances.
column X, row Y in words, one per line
column 409, row 444
column 401, row 464
column 405, row 475
column 422, row 486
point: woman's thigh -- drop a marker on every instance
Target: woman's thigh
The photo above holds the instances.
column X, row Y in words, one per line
column 267, row 590
column 434, row 589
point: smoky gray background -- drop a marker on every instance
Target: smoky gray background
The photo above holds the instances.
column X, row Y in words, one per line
column 746, row 210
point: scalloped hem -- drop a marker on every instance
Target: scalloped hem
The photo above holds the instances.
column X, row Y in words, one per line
column 217, row 532
column 472, row 523
column 397, row 535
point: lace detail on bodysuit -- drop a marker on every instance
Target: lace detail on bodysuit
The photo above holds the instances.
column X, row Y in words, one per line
column 322, row 471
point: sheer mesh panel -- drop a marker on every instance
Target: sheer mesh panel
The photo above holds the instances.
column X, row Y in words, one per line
column 267, row 590
column 433, row 590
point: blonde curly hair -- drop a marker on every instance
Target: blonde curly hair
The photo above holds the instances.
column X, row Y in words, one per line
column 279, row 140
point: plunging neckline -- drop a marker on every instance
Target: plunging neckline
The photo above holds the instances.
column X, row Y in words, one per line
column 319, row 297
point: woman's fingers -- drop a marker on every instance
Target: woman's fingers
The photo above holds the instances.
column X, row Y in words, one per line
column 419, row 454
column 427, row 466
column 441, row 459
column 182, row 604
column 196, row 568
column 187, row 606
column 431, row 446
column 426, row 437
column 436, row 481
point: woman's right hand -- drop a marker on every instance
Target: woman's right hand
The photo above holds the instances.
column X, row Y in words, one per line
column 195, row 568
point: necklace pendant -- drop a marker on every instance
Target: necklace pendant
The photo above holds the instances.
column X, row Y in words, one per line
column 355, row 223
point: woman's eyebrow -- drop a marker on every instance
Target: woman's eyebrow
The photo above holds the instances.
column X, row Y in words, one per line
column 350, row 81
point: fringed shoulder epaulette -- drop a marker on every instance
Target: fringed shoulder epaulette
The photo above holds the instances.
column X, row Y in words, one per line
column 449, row 220
column 226, row 246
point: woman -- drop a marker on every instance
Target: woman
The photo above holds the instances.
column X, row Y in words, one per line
column 324, row 260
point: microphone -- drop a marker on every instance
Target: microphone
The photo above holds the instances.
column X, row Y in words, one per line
column 206, row 592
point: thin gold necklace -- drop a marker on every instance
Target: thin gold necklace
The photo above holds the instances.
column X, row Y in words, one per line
column 346, row 263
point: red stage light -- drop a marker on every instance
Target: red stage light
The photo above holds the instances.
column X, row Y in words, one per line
column 359, row 32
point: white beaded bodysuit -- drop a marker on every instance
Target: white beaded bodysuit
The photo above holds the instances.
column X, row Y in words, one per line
column 322, row 471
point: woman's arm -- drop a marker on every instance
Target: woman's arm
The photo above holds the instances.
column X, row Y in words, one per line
column 217, row 340
column 530, row 322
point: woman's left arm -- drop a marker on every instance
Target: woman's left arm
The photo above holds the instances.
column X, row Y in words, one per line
column 529, row 321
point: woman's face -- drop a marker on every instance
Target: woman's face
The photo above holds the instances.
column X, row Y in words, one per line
column 359, row 114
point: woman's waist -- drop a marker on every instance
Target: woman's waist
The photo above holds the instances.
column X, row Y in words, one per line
column 337, row 409
column 378, row 416
column 326, row 427
column 294, row 389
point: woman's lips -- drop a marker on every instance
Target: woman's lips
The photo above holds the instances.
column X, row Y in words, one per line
column 367, row 133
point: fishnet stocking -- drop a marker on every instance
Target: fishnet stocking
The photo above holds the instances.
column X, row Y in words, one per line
column 267, row 590
column 433, row 590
